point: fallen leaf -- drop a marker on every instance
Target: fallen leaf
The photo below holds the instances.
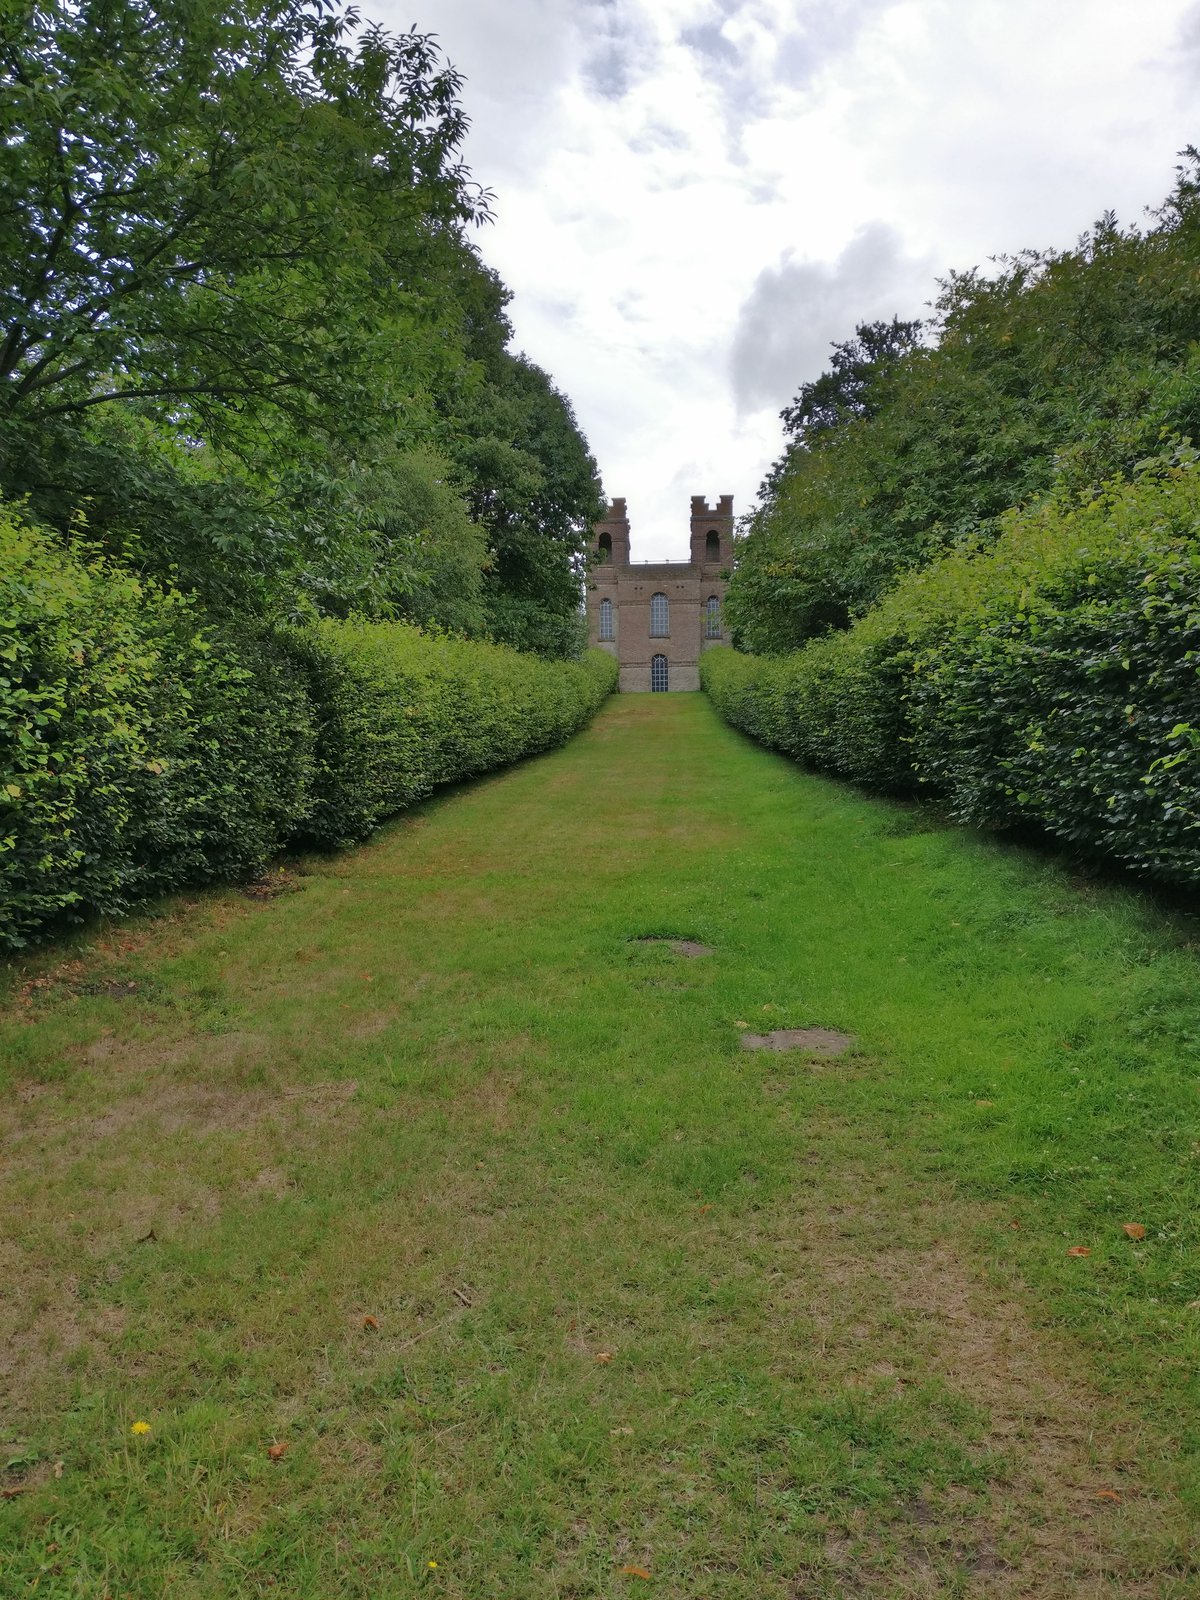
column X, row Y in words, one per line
column 1108, row 1494
column 985, row 1102
column 1015, row 1225
column 12, row 1492
column 615, row 1431
column 604, row 1358
column 1135, row 1230
column 635, row 1572
column 741, row 1024
column 1079, row 1250
column 370, row 1322
column 277, row 1451
column 705, row 1209
column 58, row 1468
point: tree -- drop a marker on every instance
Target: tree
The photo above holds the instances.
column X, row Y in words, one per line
column 529, row 478
column 210, row 207
column 425, row 556
column 533, row 485
column 851, row 388
column 1050, row 374
column 243, row 334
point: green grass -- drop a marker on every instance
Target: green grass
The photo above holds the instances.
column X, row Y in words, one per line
column 445, row 1085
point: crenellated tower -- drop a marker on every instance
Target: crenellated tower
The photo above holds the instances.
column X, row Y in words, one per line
column 610, row 536
column 658, row 617
column 712, row 533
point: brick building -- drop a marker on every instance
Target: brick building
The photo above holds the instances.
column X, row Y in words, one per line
column 657, row 616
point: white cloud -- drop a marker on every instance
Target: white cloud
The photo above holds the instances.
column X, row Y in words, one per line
column 796, row 310
column 695, row 196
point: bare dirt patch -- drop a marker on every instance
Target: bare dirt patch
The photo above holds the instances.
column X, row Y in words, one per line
column 99, row 1187
column 132, row 1054
column 44, row 1323
column 177, row 1108
column 40, row 1110
column 272, row 884
column 271, row 1181
column 1063, row 1519
column 329, row 1096
column 181, row 1108
column 816, row 1041
column 370, row 1025
column 491, row 1098
column 678, row 946
column 101, row 969
column 113, row 988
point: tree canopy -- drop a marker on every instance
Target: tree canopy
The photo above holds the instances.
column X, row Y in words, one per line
column 1049, row 373
column 242, row 316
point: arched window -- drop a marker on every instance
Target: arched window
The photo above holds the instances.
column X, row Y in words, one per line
column 660, row 616
column 658, row 674
column 606, row 620
column 712, row 618
column 712, row 546
column 605, row 547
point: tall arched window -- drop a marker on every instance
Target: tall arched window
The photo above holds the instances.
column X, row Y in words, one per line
column 712, row 618
column 658, row 674
column 605, row 547
column 660, row 616
column 712, row 546
column 606, row 620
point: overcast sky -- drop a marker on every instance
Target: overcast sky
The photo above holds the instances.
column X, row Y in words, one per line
column 694, row 197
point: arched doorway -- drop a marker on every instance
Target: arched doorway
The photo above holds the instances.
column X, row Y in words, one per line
column 658, row 675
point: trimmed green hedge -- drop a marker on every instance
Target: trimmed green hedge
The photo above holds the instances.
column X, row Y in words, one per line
column 1050, row 680
column 142, row 748
column 399, row 712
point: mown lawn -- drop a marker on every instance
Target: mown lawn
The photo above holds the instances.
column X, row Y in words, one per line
column 440, row 1230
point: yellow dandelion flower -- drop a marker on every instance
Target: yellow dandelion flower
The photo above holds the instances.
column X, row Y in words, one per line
column 432, row 1563
column 140, row 1427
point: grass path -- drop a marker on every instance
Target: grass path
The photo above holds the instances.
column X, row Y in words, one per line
column 436, row 1174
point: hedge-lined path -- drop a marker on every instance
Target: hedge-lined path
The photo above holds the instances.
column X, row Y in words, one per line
column 437, row 1174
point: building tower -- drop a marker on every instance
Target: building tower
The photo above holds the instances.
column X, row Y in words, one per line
column 657, row 617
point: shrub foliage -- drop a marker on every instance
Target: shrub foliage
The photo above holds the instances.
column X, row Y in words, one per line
column 245, row 330
column 1047, row 680
column 399, row 712
column 1056, row 370
column 142, row 747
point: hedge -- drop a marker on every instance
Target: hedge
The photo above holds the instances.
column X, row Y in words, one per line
column 1051, row 680
column 399, row 712
column 143, row 748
